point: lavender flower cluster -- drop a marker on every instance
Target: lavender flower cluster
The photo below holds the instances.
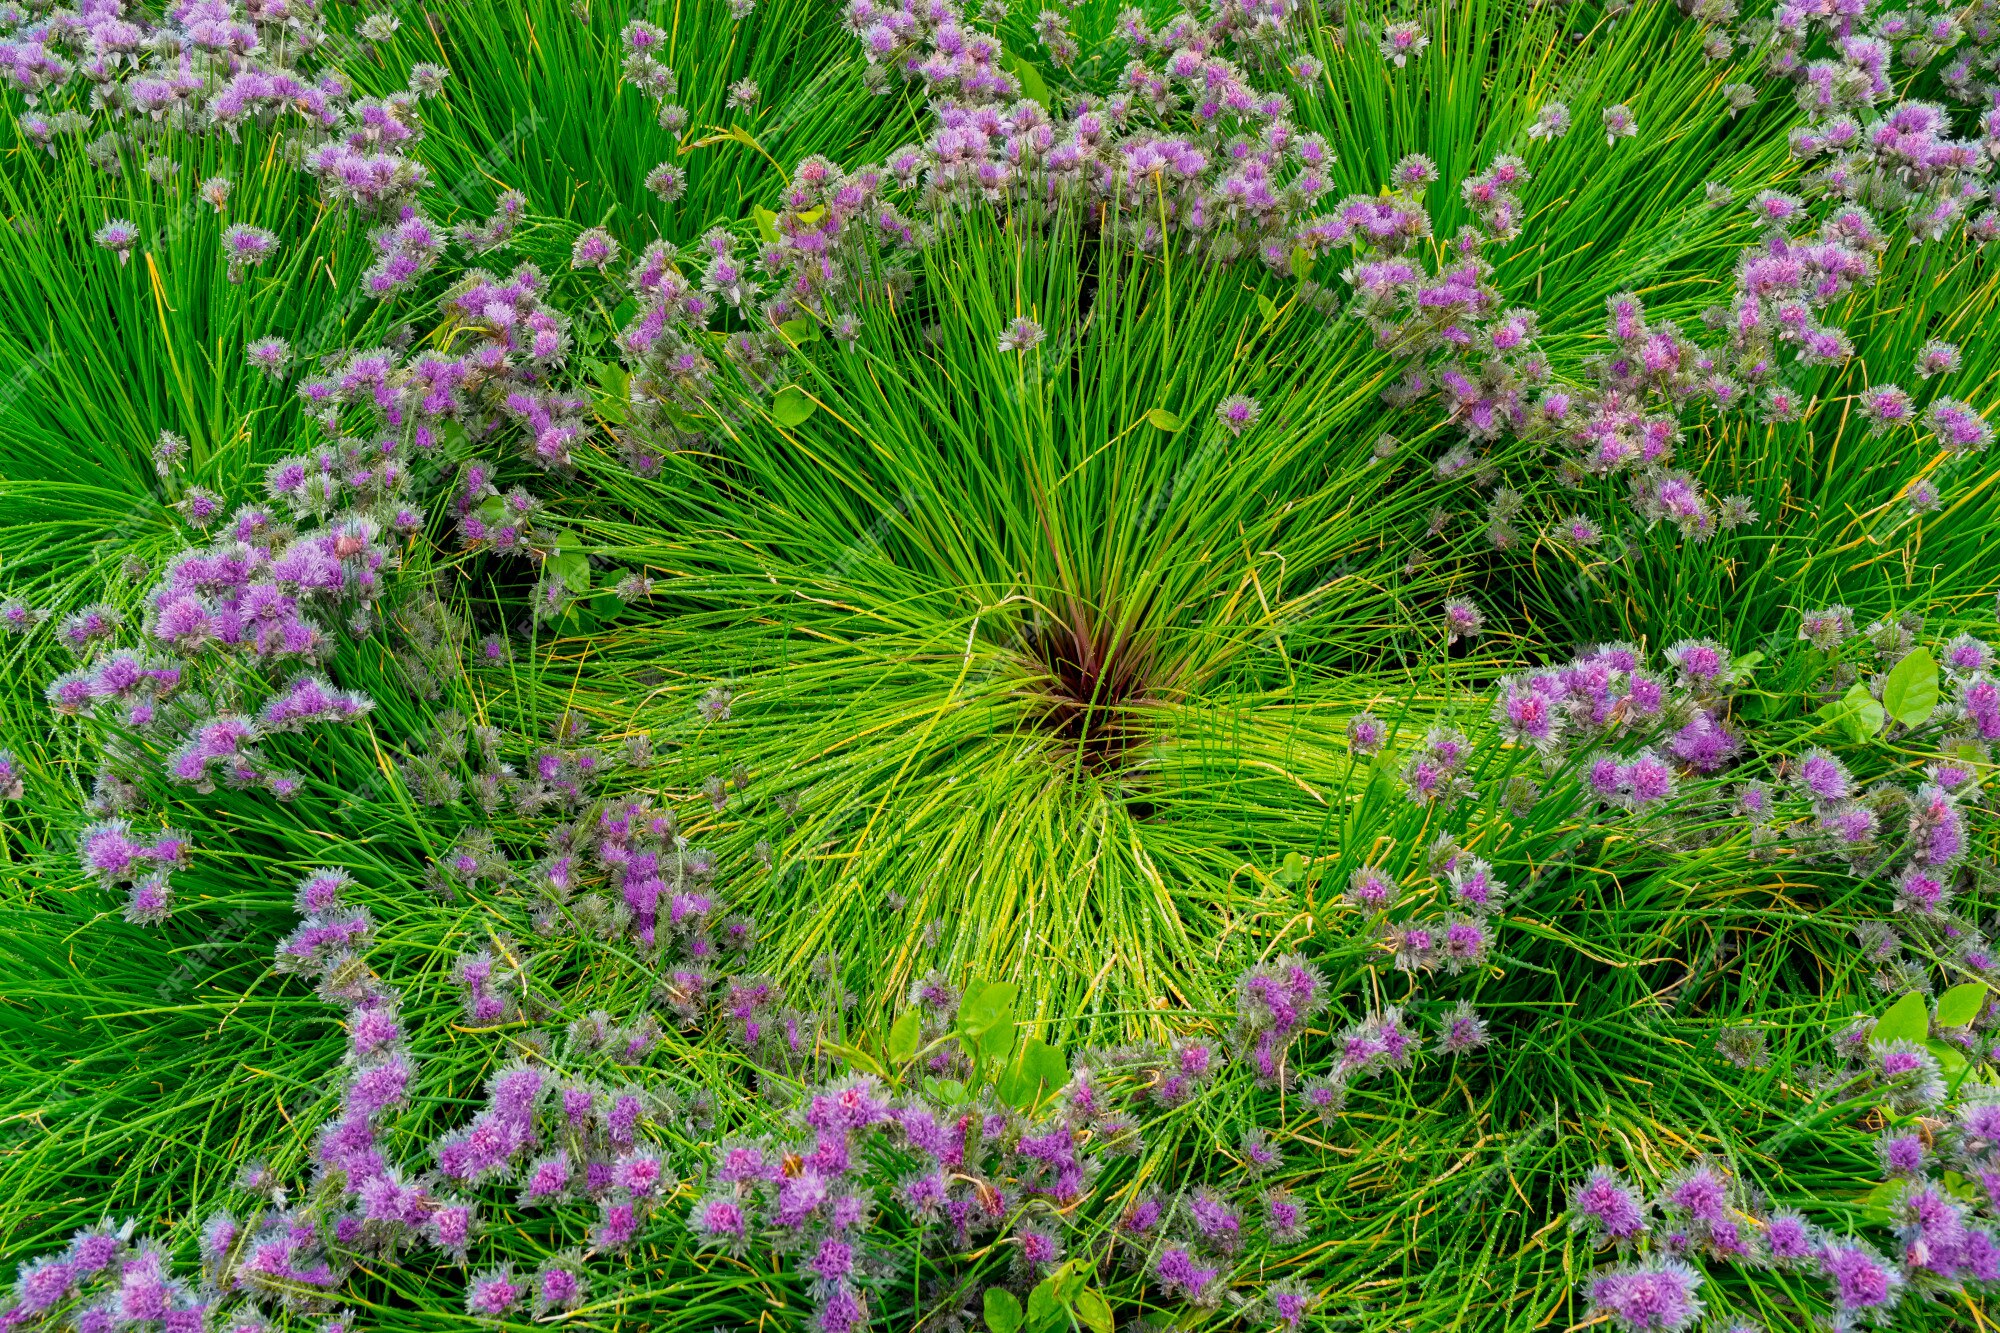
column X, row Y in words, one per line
column 217, row 677
column 214, row 66
column 1943, row 1226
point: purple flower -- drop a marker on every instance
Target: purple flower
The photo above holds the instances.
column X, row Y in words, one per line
column 1863, row 1283
column 1603, row 1205
column 1238, row 413
column 1284, row 1217
column 1702, row 661
column 1957, row 426
column 1789, row 1238
column 1937, row 357
column 617, row 1226
column 1886, row 405
column 118, row 235
column 1648, row 780
column 320, row 891
column 494, row 1292
column 1827, row 629
column 1371, row 889
column 246, row 247
column 1967, row 655
column 1921, row 893
column 720, row 1221
column 1474, row 886
column 1552, row 121
column 843, row 1310
column 1701, row 1193
column 1365, row 734
column 1216, row 1220
column 594, row 248
column 558, row 1286
column 1902, row 1154
column 1980, row 698
column 1462, row 620
column 1658, row 1297
column 1288, row 1303
column 1023, row 335
column 150, row 902
column 1462, row 1029
column 1040, row 1247
column 1181, row 1276
column 1462, row 943
column 1824, row 777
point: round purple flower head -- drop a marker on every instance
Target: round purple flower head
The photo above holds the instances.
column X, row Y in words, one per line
column 1604, row 1206
column 1365, row 734
column 1863, row 1282
column 1413, row 172
column 494, row 1292
column 1462, row 620
column 1551, row 122
column 1658, row 1297
column 269, row 355
column 1937, row 357
column 595, row 248
column 1966, row 655
column 118, row 235
column 1239, row 412
column 1824, row 777
column 1886, row 405
column 1023, row 335
column 1462, row 1030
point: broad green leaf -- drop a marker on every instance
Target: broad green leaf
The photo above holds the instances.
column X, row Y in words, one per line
column 1291, row 868
column 1875, row 1204
column 1069, row 1281
column 1003, row 1311
column 857, row 1057
column 1033, row 85
column 1044, row 1063
column 608, row 605
column 1302, row 261
column 560, row 540
column 1094, row 1311
column 1911, row 691
column 572, row 569
column 1044, row 1310
column 490, row 509
column 947, row 1090
column 997, row 1042
column 767, row 223
column 1949, row 1056
column 1855, row 713
column 1746, row 664
column 904, row 1034
column 1960, row 1187
column 1908, row 1019
column 799, row 332
column 791, row 407
column 613, row 379
column 1269, row 307
column 1957, row 1007
column 1161, row 419
column 980, row 1010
